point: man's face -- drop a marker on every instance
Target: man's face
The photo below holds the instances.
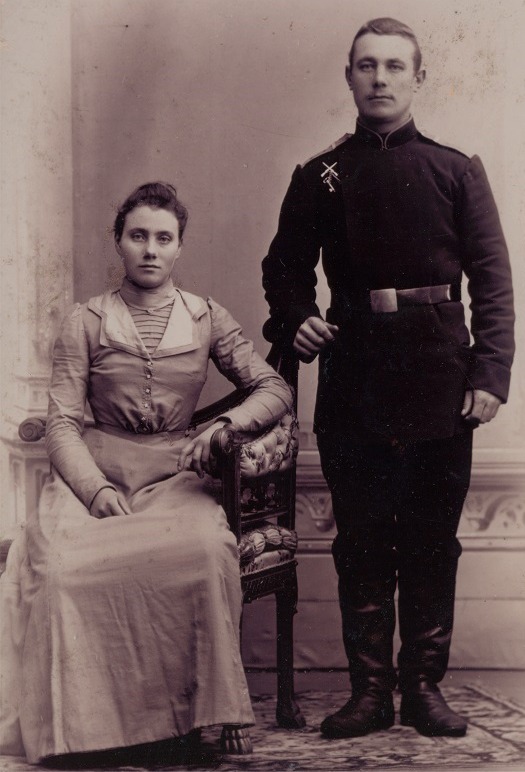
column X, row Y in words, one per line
column 383, row 80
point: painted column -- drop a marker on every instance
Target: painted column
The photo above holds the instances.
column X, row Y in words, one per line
column 36, row 228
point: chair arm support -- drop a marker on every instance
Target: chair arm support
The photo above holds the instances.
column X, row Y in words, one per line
column 222, row 442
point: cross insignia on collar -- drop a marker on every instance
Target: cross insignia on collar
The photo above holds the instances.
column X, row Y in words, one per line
column 329, row 176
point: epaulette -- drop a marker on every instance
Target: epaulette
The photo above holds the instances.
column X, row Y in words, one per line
column 328, row 149
column 433, row 140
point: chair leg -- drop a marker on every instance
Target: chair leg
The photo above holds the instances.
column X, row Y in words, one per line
column 236, row 740
column 288, row 713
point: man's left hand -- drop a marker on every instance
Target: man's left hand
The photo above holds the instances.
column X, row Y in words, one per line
column 479, row 407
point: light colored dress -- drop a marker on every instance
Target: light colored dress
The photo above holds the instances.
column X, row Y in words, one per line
column 125, row 630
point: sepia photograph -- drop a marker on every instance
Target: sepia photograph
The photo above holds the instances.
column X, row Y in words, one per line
column 262, row 385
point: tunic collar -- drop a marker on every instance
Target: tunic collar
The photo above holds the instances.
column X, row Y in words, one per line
column 395, row 138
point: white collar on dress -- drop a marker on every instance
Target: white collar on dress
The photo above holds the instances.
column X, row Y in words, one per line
column 118, row 330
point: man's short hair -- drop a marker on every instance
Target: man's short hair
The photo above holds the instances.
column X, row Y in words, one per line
column 388, row 26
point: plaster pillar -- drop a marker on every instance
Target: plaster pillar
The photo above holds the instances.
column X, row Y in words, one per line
column 36, row 229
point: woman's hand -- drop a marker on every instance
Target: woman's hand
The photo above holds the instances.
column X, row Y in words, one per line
column 109, row 503
column 196, row 454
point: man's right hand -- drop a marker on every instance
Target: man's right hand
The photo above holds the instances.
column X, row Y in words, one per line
column 312, row 336
column 109, row 503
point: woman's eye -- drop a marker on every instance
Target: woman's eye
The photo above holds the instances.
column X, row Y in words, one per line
column 137, row 237
column 164, row 239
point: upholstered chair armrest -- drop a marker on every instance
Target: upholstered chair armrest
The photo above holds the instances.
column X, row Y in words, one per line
column 273, row 451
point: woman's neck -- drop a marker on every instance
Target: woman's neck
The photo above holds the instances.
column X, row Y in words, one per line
column 145, row 297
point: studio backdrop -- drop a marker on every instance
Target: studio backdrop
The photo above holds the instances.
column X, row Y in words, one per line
column 223, row 98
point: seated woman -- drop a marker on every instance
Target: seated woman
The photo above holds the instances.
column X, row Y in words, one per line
column 126, row 627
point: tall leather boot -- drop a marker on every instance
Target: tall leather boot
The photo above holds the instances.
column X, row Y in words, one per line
column 426, row 616
column 368, row 614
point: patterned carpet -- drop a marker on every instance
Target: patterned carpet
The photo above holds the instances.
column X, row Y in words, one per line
column 495, row 741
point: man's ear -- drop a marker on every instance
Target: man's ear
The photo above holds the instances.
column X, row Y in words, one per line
column 419, row 79
column 348, row 76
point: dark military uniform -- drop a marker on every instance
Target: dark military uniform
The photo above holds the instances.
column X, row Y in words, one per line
column 404, row 214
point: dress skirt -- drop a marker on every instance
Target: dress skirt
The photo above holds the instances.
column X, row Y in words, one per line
column 123, row 630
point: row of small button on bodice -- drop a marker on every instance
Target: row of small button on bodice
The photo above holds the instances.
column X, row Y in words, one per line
column 145, row 427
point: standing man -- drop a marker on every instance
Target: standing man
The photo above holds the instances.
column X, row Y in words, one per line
column 398, row 219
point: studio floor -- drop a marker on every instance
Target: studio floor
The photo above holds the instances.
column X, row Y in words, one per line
column 508, row 683
column 492, row 701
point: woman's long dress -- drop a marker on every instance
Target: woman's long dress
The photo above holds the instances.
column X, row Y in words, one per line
column 125, row 630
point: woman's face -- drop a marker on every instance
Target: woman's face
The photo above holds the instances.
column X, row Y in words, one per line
column 149, row 246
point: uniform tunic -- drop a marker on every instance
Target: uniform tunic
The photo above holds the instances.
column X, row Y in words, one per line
column 396, row 212
column 124, row 630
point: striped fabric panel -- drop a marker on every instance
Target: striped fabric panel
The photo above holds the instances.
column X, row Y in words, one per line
column 151, row 324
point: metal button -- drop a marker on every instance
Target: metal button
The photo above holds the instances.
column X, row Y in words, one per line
column 148, row 391
column 148, row 375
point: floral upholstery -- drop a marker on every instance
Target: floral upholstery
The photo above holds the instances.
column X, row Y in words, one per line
column 266, row 560
column 274, row 450
column 267, row 544
column 267, row 537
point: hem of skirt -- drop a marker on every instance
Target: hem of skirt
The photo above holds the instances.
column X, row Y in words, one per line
column 145, row 740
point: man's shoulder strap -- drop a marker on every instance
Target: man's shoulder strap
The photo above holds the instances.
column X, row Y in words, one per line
column 327, row 150
column 435, row 141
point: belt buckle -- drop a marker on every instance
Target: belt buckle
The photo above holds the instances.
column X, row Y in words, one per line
column 383, row 301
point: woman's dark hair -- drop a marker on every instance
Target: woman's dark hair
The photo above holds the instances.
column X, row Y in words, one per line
column 159, row 195
column 388, row 26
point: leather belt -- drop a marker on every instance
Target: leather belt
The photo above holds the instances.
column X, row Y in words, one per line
column 388, row 301
column 125, row 434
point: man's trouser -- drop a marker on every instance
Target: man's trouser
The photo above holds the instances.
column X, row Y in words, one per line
column 397, row 511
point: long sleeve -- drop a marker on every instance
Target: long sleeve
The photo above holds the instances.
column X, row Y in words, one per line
column 235, row 358
column 486, row 264
column 65, row 419
column 289, row 277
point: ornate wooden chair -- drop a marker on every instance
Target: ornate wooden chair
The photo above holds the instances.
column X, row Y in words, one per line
column 256, row 484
